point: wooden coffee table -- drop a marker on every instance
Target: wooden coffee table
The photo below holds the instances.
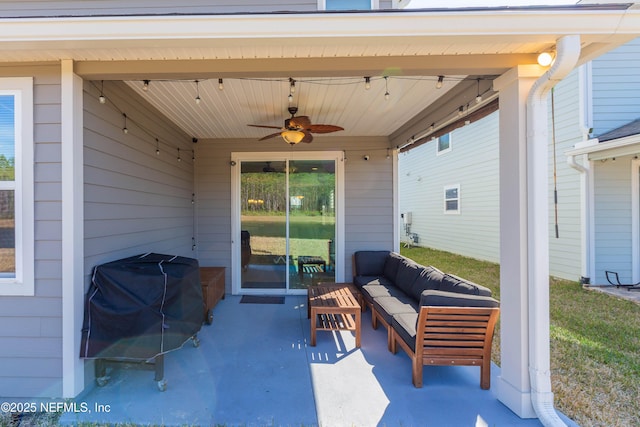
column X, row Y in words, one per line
column 333, row 307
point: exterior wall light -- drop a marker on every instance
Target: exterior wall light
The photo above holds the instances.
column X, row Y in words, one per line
column 545, row 59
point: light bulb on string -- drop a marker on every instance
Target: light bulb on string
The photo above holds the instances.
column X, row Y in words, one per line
column 367, row 83
column 198, row 92
column 145, row 85
column 102, row 98
column 179, row 159
column 439, row 82
column 478, row 96
column 292, row 86
column 124, row 129
column 157, row 147
column 386, row 87
column 220, row 84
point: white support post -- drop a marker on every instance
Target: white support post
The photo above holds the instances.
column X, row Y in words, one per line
column 72, row 230
column 513, row 386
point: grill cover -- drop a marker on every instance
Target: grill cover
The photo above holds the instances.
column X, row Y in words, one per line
column 141, row 307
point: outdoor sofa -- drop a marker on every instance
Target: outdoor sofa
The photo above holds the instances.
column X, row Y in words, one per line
column 437, row 318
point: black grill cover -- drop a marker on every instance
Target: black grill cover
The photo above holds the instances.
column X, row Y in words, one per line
column 141, row 307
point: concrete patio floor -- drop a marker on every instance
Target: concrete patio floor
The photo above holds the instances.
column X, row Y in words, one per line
column 254, row 367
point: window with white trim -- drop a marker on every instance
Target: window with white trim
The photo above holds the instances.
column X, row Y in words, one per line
column 347, row 4
column 16, row 186
column 452, row 199
column 444, row 143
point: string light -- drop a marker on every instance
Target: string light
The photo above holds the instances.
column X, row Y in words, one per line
column 102, row 98
column 292, row 86
column 460, row 110
column 125, row 127
column 386, row 87
column 197, row 92
column 478, row 96
column 145, row 85
column 220, row 84
column 439, row 82
column 193, row 155
column 367, row 83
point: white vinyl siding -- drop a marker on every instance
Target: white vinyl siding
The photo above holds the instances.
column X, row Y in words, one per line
column 135, row 200
column 616, row 88
column 474, row 166
column 31, row 326
column 612, row 195
column 368, row 195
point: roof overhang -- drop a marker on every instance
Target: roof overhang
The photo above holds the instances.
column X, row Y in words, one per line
column 596, row 150
column 426, row 42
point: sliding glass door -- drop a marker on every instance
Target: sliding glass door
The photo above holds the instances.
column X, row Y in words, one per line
column 287, row 223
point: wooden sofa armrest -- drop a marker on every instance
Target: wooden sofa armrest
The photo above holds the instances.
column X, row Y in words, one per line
column 453, row 336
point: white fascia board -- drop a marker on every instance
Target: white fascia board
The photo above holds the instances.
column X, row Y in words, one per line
column 600, row 150
column 517, row 24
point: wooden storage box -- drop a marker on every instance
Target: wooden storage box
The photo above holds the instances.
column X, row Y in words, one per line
column 212, row 280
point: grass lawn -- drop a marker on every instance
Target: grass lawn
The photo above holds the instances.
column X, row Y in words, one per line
column 595, row 343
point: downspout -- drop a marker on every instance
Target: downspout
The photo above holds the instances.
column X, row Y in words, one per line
column 567, row 55
column 585, row 250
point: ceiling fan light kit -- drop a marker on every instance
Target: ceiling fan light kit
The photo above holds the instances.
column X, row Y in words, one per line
column 292, row 137
column 298, row 129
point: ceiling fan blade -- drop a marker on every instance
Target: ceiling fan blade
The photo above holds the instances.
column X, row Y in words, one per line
column 273, row 135
column 302, row 122
column 307, row 137
column 324, row 128
column 265, row 126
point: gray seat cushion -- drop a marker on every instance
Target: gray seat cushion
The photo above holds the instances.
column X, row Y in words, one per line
column 387, row 307
column 453, row 283
column 391, row 265
column 372, row 291
column 452, row 299
column 405, row 326
column 408, row 271
column 362, row 281
column 370, row 263
column 430, row 278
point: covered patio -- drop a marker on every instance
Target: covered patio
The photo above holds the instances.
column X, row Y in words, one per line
column 140, row 135
column 254, row 367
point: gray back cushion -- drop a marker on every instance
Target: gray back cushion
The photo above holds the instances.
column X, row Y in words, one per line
column 369, row 263
column 451, row 299
column 453, row 283
column 391, row 265
column 408, row 271
column 430, row 278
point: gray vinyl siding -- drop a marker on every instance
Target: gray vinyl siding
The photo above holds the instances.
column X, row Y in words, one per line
column 473, row 164
column 368, row 195
column 31, row 327
column 612, row 196
column 565, row 251
column 135, row 201
column 616, row 88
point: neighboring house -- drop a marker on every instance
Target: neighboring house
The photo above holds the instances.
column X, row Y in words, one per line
column 128, row 121
column 601, row 95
